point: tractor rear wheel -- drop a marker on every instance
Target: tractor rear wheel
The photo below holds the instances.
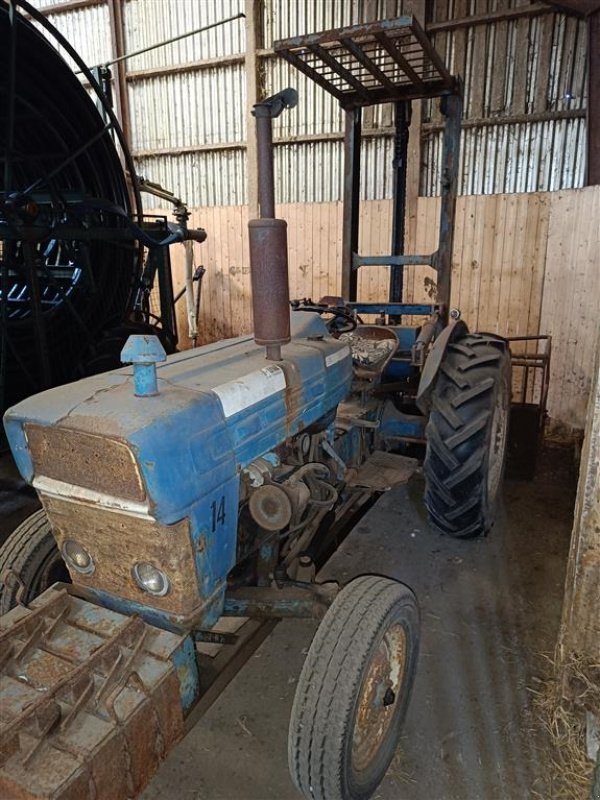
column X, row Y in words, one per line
column 353, row 691
column 467, row 434
column 30, row 562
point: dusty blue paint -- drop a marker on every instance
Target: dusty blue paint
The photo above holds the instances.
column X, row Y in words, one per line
column 144, row 352
column 186, row 666
column 278, row 607
column 189, row 453
column 152, row 616
column 397, row 368
column 18, row 444
column 395, row 309
column 401, row 428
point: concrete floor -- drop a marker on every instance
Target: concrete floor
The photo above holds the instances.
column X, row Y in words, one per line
column 489, row 607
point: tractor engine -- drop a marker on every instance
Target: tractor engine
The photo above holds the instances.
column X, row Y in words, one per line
column 145, row 471
column 289, row 497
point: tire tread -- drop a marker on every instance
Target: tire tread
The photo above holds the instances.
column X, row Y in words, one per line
column 458, row 430
column 322, row 712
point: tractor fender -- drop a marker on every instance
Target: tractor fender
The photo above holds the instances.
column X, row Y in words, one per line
column 455, row 329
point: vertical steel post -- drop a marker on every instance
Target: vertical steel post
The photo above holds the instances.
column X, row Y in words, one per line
column 352, row 137
column 452, row 110
column 399, row 165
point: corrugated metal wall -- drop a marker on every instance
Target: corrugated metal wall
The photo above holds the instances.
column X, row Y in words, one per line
column 189, row 124
column 188, row 99
column 86, row 29
column 529, row 66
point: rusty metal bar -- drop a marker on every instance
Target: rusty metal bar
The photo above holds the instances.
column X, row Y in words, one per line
column 352, row 138
column 397, row 56
column 266, row 183
column 313, row 75
column 344, row 73
column 173, row 39
column 266, row 602
column 360, row 55
column 399, row 166
column 389, row 26
column 452, row 109
column 430, row 51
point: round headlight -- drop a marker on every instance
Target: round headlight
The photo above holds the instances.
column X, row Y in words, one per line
column 151, row 579
column 77, row 557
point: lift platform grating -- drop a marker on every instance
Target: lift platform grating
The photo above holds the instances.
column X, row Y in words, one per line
column 378, row 62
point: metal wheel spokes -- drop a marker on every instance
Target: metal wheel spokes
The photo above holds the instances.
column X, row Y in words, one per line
column 498, row 438
column 379, row 693
column 65, row 273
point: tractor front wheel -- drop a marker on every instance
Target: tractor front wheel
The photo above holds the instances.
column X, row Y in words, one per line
column 30, row 562
column 467, row 434
column 353, row 691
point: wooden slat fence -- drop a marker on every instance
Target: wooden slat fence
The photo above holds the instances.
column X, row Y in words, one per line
column 523, row 264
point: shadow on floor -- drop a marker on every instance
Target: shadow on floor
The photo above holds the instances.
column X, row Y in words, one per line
column 489, row 608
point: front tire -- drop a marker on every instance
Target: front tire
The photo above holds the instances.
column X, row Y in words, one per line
column 31, row 556
column 354, row 690
column 466, row 436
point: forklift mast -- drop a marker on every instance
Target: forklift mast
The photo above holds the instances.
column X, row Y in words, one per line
column 391, row 61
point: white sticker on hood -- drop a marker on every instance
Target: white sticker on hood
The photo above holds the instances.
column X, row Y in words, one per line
column 244, row 392
column 339, row 355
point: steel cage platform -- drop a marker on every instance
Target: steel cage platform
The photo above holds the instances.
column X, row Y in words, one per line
column 378, row 62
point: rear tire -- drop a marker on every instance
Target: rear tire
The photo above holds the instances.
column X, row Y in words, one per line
column 466, row 436
column 354, row 690
column 31, row 555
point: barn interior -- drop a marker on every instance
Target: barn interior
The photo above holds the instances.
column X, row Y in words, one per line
column 178, row 180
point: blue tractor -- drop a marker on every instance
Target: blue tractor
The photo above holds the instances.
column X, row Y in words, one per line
column 182, row 490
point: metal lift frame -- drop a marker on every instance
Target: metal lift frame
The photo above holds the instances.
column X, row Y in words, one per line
column 392, row 61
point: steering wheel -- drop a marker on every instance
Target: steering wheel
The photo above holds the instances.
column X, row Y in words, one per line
column 342, row 320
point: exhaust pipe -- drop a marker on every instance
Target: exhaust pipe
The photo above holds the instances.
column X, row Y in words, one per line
column 268, row 238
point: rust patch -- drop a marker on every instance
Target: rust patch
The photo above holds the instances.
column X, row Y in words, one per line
column 72, row 741
column 293, row 397
column 76, row 457
column 118, row 541
column 379, row 697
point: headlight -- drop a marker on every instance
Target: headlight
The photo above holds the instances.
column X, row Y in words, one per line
column 77, row 557
column 151, row 579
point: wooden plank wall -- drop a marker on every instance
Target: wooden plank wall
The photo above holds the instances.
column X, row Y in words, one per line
column 523, row 264
column 571, row 302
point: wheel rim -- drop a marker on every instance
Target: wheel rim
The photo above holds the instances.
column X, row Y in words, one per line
column 498, row 438
column 379, row 697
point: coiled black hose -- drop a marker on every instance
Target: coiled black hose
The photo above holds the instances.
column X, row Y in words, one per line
column 56, row 295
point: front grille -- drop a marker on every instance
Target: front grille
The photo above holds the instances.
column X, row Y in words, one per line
column 84, row 459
